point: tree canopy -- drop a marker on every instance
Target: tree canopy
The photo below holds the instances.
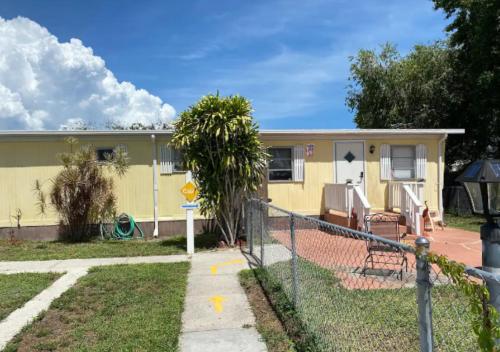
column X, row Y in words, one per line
column 449, row 84
column 475, row 40
column 221, row 147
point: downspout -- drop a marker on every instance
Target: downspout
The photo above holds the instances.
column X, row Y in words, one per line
column 155, row 187
column 440, row 176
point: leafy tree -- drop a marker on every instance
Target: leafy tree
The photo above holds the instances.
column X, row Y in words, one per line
column 388, row 90
column 455, row 84
column 81, row 192
column 419, row 90
column 221, row 147
column 475, row 39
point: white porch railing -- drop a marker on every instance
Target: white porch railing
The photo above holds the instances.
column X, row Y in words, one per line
column 337, row 197
column 412, row 208
column 395, row 189
column 360, row 205
column 346, row 197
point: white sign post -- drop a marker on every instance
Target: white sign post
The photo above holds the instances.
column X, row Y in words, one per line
column 189, row 219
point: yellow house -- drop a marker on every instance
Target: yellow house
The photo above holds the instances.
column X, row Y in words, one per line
column 313, row 172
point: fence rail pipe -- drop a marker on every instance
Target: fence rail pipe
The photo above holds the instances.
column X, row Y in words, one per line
column 295, row 279
column 424, row 295
column 343, row 231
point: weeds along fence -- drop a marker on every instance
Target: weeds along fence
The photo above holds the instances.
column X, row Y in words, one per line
column 344, row 297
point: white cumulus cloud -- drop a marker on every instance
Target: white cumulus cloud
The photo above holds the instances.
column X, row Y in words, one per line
column 45, row 84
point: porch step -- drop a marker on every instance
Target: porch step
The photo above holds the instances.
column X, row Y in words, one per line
column 337, row 217
column 340, row 218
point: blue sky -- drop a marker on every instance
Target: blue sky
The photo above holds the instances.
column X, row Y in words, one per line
column 289, row 57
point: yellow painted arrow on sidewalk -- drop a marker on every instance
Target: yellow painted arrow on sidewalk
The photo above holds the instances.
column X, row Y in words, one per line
column 215, row 267
column 217, row 301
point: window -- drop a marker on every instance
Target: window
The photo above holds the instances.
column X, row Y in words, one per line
column 403, row 162
column 103, row 154
column 280, row 164
column 177, row 163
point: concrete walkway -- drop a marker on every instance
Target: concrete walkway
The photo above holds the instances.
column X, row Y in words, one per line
column 217, row 315
column 74, row 269
column 43, row 266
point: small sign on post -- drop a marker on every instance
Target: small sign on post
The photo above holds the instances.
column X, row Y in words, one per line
column 190, row 192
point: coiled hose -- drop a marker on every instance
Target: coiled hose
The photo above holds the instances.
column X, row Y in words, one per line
column 123, row 228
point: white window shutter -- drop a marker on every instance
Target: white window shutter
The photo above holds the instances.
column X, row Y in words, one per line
column 298, row 163
column 166, row 164
column 385, row 162
column 121, row 147
column 421, row 162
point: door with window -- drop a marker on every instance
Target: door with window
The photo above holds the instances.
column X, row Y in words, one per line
column 350, row 162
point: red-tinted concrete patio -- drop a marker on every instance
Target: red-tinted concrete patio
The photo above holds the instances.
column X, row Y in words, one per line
column 346, row 256
column 457, row 244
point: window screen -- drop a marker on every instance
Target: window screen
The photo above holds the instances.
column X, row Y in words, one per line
column 103, row 154
column 403, row 162
column 280, row 164
column 177, row 162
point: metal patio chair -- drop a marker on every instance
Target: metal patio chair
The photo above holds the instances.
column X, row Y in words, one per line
column 386, row 226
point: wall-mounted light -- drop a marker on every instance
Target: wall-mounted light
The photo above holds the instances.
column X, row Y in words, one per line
column 372, row 149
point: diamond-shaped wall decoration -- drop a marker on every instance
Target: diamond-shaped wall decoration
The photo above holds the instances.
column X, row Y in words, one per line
column 349, row 156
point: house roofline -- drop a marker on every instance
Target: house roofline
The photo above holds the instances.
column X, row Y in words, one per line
column 361, row 131
column 289, row 132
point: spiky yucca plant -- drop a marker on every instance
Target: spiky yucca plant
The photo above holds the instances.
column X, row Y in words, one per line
column 81, row 193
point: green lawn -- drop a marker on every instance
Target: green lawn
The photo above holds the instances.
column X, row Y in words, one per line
column 43, row 250
column 331, row 317
column 469, row 223
column 17, row 289
column 113, row 308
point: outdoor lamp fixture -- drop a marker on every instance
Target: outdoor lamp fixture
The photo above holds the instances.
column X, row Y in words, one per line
column 482, row 183
column 372, row 149
column 481, row 180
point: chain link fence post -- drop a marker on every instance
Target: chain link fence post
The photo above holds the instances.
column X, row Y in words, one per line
column 424, row 295
column 295, row 279
column 262, row 229
column 249, row 215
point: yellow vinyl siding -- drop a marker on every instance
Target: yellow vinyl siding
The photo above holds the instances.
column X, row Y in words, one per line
column 308, row 197
column 304, row 197
column 23, row 162
column 377, row 191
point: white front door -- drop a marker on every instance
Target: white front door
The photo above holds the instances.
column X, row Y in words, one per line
column 350, row 162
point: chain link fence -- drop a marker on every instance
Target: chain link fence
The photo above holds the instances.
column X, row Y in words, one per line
column 355, row 291
column 456, row 201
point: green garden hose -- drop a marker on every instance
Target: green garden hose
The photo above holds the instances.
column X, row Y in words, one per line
column 123, row 228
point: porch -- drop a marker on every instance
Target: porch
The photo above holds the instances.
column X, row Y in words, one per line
column 346, row 204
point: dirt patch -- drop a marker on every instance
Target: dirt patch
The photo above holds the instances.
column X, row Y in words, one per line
column 52, row 331
column 113, row 308
column 268, row 323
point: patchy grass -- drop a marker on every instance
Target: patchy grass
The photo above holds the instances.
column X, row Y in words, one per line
column 465, row 222
column 113, row 308
column 330, row 316
column 17, row 289
column 44, row 250
column 268, row 323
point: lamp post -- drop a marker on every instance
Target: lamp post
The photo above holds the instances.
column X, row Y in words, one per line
column 481, row 180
